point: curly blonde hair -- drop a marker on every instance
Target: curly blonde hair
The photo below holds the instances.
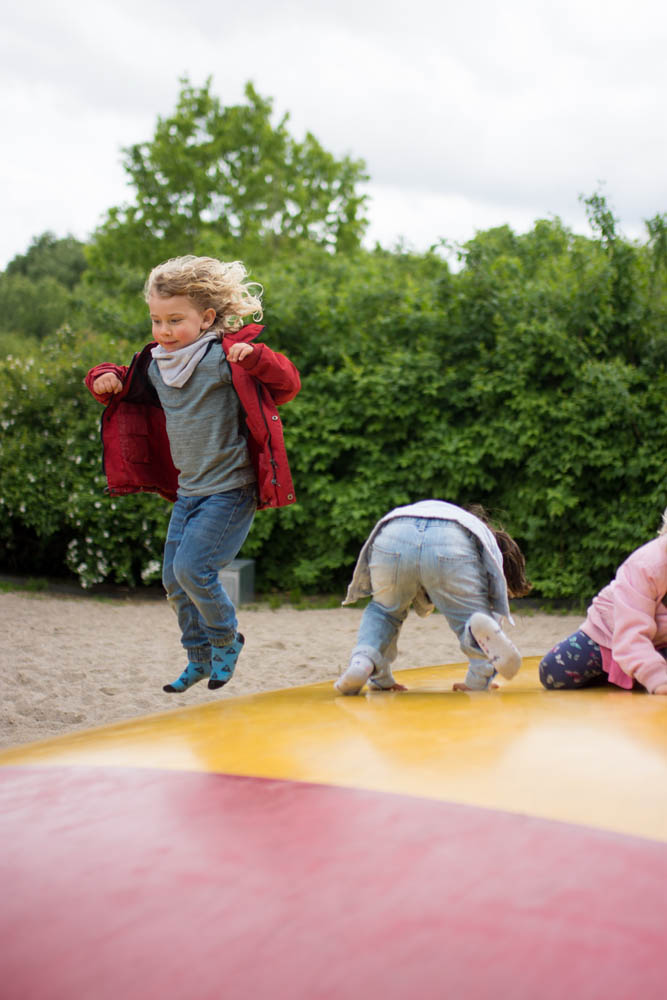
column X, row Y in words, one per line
column 209, row 284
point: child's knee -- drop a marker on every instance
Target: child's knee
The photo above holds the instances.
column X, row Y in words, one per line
column 168, row 578
column 185, row 574
column 546, row 672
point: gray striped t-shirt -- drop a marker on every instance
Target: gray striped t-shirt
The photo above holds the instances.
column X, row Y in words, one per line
column 204, row 427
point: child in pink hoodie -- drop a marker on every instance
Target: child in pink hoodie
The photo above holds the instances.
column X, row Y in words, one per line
column 624, row 638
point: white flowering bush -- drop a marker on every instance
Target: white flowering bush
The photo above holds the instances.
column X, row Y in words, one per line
column 54, row 514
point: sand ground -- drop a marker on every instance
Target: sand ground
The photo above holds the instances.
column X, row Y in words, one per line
column 72, row 662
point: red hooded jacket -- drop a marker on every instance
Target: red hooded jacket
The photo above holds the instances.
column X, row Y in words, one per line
column 136, row 454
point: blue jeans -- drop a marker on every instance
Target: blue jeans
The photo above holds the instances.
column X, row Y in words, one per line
column 205, row 534
column 444, row 559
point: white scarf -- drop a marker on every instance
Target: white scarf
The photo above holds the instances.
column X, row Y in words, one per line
column 176, row 367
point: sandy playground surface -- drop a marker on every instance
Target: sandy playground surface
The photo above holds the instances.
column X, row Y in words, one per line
column 72, row 662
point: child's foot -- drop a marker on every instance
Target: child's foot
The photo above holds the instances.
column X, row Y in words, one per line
column 223, row 662
column 356, row 675
column 500, row 651
column 193, row 673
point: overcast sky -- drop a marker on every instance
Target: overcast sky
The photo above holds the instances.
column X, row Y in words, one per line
column 468, row 114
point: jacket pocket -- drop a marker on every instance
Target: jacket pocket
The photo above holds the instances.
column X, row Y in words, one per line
column 133, row 433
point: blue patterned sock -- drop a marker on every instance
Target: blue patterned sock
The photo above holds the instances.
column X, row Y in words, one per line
column 193, row 673
column 223, row 662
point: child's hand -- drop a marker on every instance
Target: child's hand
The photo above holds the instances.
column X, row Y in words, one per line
column 107, row 383
column 237, row 352
column 661, row 689
column 462, row 686
column 394, row 687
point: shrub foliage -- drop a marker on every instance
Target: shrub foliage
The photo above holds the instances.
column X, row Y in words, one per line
column 531, row 378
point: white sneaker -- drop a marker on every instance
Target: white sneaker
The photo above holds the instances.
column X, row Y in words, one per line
column 500, row 651
column 356, row 675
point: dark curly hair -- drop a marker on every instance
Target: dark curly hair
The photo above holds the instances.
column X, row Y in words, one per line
column 514, row 563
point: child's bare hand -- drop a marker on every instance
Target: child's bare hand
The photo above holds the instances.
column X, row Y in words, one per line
column 237, row 352
column 107, row 383
column 462, row 686
column 661, row 689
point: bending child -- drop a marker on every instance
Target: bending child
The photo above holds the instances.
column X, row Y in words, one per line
column 430, row 554
column 623, row 640
column 194, row 419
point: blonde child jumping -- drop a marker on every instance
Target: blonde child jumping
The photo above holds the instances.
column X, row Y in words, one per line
column 194, row 418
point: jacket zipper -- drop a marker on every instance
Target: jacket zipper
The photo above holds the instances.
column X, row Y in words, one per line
column 274, row 481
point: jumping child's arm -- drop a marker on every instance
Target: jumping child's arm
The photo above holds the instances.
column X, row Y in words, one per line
column 105, row 380
column 107, row 383
column 274, row 370
column 237, row 352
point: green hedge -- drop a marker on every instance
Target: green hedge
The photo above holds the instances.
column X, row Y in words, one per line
column 532, row 380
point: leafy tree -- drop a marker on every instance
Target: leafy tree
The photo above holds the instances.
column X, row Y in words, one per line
column 37, row 291
column 657, row 231
column 226, row 181
column 33, row 308
column 48, row 256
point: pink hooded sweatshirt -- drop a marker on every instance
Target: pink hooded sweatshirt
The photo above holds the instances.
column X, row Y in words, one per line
column 628, row 618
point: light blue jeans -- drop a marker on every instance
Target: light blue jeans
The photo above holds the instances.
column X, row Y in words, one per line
column 444, row 559
column 205, row 534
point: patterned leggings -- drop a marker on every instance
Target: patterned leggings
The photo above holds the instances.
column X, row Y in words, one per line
column 573, row 663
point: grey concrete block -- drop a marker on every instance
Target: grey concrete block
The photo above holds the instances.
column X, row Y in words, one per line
column 238, row 579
